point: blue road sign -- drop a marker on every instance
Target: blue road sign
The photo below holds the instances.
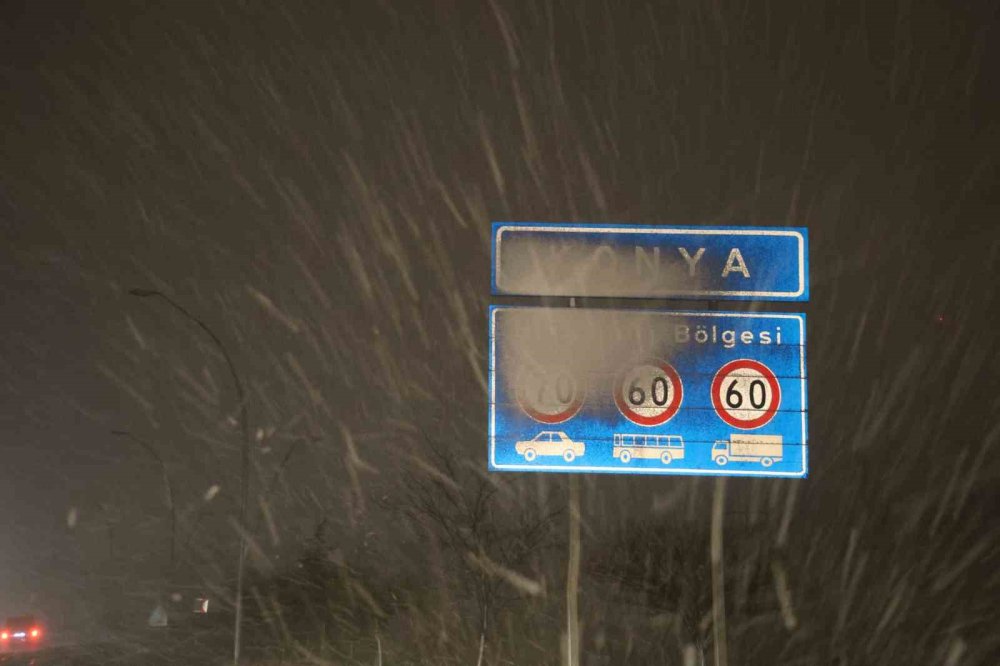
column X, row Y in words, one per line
column 630, row 261
column 647, row 392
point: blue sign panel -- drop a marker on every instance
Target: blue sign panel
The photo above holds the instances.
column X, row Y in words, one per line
column 628, row 261
column 647, row 392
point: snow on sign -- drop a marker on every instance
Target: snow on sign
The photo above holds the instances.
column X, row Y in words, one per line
column 629, row 261
column 647, row 392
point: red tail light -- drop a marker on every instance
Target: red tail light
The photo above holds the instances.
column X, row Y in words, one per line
column 35, row 633
column 4, row 636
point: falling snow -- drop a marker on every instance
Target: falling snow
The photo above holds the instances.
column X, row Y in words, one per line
column 302, row 194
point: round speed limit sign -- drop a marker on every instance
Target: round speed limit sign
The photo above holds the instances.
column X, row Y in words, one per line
column 746, row 394
column 650, row 393
column 549, row 396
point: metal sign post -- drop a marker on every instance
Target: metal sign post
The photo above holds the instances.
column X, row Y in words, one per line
column 652, row 392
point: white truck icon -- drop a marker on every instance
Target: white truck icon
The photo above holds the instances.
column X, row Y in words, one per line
column 765, row 449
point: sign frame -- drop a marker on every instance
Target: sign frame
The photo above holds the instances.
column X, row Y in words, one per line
column 800, row 293
column 799, row 318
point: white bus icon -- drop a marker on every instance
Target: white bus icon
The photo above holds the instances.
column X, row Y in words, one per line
column 666, row 448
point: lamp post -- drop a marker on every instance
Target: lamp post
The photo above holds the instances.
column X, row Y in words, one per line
column 151, row 450
column 245, row 459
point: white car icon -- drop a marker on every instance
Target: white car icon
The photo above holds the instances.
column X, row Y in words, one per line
column 550, row 443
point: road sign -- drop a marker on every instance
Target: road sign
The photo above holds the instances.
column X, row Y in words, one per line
column 158, row 618
column 630, row 261
column 647, row 392
column 746, row 394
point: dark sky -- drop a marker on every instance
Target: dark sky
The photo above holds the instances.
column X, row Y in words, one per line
column 316, row 180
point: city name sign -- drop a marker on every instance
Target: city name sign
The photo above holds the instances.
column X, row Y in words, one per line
column 633, row 261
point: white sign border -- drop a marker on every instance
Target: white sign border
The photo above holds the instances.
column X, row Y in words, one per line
column 801, row 474
column 709, row 231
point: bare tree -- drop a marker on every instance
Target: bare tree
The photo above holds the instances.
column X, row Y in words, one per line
column 664, row 568
column 492, row 532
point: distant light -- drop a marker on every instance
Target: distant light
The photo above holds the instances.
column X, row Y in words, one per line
column 35, row 633
column 4, row 636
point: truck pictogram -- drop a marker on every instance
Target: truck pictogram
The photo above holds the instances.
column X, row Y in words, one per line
column 765, row 449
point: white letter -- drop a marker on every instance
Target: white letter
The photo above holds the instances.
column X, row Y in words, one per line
column 735, row 263
column 641, row 259
column 691, row 262
column 608, row 253
column 544, row 270
column 601, row 271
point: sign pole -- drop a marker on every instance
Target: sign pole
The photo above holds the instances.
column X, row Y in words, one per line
column 718, row 567
column 644, row 391
column 573, row 575
column 573, row 568
column 718, row 573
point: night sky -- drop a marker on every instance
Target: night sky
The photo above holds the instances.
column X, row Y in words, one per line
column 315, row 182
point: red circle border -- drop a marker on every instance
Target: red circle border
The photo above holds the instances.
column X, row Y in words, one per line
column 772, row 381
column 671, row 409
column 552, row 419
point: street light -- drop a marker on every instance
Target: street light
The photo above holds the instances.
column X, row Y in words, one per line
column 245, row 461
column 151, row 450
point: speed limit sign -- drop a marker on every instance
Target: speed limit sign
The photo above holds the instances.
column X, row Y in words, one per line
column 649, row 394
column 549, row 395
column 746, row 394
